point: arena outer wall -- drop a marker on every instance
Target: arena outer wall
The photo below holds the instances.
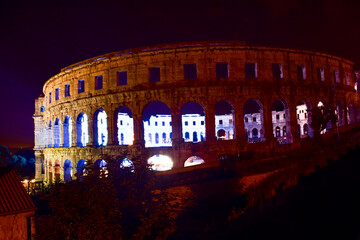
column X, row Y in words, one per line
column 175, row 91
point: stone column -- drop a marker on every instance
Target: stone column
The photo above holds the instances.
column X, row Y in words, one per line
column 177, row 139
column 268, row 124
column 138, row 130
column 293, row 123
column 111, row 129
column 239, row 123
column 39, row 165
column 210, row 122
column 90, row 129
column 74, row 130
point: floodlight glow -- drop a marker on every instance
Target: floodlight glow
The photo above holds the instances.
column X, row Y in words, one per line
column 160, row 162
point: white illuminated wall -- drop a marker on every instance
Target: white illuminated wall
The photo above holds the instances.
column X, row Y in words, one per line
column 250, row 124
column 125, row 126
column 193, row 127
column 302, row 118
column 157, row 131
column 226, row 123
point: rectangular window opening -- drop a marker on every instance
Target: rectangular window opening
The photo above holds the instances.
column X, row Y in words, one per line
column 49, row 97
column 337, row 76
column 250, row 70
column 67, row 90
column 57, row 94
column 190, row 71
column 154, row 74
column 122, row 78
column 98, row 82
column 277, row 70
column 321, row 74
column 301, row 73
column 347, row 79
column 222, row 70
column 81, row 86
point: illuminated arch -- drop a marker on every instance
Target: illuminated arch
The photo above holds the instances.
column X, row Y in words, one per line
column 351, row 116
column 126, row 163
column 100, row 128
column 67, row 131
column 49, row 134
column 281, row 119
column 156, row 121
column 160, row 163
column 82, row 130
column 254, row 120
column 57, row 132
column 224, row 120
column 193, row 121
column 124, row 126
column 67, row 170
column 193, row 160
column 303, row 116
column 80, row 167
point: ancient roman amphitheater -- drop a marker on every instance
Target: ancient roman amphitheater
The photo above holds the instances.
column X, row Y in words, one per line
column 186, row 104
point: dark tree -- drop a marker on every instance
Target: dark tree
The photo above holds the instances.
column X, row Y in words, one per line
column 107, row 203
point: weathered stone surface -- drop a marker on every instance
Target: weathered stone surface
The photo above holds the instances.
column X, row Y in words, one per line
column 175, row 91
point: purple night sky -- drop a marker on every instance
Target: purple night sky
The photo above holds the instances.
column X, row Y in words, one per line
column 38, row 38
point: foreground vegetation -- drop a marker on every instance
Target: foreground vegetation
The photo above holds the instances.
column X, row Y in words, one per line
column 111, row 203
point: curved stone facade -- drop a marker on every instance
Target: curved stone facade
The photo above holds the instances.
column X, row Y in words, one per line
column 267, row 89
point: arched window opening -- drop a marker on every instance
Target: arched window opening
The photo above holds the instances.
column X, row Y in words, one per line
column 157, row 119
column 306, row 129
column 303, row 117
column 254, row 133
column 280, row 119
column 50, row 135
column 100, row 164
column 284, row 130
column 67, row 131
column 224, row 120
column 82, row 130
column 125, row 126
column 358, row 113
column 350, row 114
column 67, row 170
column 193, row 160
column 253, row 112
column 277, row 129
column 57, row 171
column 160, row 163
column 221, row 134
column 195, row 138
column 100, row 128
column 57, row 133
column 164, row 138
column 80, row 168
column 193, row 120
column 340, row 114
column 127, row 163
column 156, row 138
column 50, row 176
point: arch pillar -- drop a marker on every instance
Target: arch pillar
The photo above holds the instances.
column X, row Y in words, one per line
column 110, row 125
column 240, row 134
column 210, row 122
column 268, row 124
column 74, row 130
column 90, row 129
column 177, row 139
column 138, row 130
column 293, row 122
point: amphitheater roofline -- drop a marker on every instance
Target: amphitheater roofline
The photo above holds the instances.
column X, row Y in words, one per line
column 161, row 48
